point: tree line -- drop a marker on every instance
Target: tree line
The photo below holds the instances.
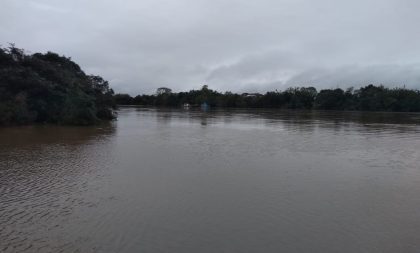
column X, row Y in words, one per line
column 368, row 98
column 49, row 88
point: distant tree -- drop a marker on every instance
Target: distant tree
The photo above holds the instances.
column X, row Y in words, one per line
column 123, row 99
column 330, row 100
column 163, row 90
column 370, row 98
column 300, row 98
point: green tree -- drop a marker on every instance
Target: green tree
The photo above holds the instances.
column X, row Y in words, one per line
column 49, row 88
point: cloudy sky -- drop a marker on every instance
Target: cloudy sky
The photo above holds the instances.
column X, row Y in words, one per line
column 235, row 45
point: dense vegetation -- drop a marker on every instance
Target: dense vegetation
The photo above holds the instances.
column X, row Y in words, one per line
column 369, row 98
column 48, row 88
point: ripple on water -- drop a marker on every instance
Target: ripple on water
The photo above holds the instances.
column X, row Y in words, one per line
column 222, row 181
column 41, row 186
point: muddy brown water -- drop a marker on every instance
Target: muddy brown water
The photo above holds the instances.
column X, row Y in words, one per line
column 229, row 181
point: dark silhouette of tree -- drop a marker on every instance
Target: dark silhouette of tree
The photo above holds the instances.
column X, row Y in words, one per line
column 163, row 90
column 368, row 98
column 330, row 100
column 49, row 88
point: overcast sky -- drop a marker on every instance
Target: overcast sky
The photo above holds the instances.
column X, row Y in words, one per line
column 234, row 45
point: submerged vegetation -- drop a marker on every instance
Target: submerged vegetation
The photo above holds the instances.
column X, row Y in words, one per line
column 49, row 88
column 368, row 98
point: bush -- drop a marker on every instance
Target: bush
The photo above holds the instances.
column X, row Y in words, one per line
column 49, row 88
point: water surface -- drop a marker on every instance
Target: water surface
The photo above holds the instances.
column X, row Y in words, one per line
column 217, row 181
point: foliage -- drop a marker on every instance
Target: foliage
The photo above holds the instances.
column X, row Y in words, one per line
column 49, row 88
column 368, row 98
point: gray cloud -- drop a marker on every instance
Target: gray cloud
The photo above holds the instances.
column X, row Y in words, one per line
column 355, row 76
column 227, row 44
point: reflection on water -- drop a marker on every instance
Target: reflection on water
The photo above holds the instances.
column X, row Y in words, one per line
column 216, row 181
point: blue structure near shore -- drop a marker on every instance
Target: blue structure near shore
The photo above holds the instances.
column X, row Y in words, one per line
column 205, row 106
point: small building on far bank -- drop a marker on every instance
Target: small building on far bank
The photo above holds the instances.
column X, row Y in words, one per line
column 251, row 95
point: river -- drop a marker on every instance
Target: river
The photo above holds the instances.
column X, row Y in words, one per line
column 161, row 180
